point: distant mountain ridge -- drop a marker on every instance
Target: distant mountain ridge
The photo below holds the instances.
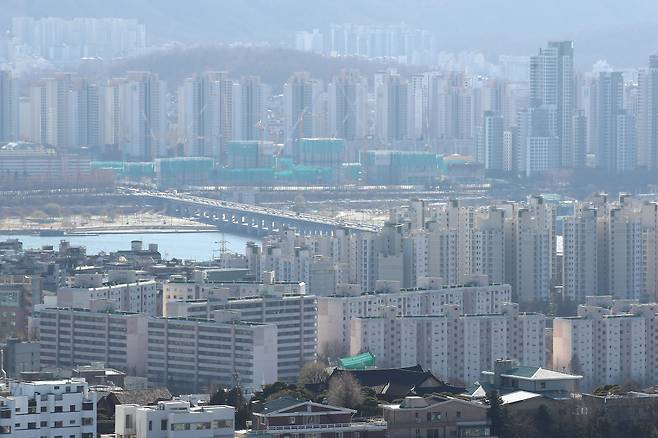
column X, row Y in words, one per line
column 624, row 32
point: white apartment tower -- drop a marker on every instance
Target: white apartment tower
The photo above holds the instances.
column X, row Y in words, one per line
column 608, row 342
column 347, row 96
column 552, row 87
column 142, row 109
column 580, row 256
column 198, row 115
column 250, row 118
column 304, row 107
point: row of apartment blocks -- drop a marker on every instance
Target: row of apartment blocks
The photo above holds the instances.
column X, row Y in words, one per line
column 454, row 346
column 173, row 352
column 452, row 242
column 609, row 342
column 576, row 249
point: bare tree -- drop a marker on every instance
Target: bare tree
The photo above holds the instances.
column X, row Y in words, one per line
column 312, row 372
column 345, row 391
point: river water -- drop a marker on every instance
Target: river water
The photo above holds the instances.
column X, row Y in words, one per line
column 199, row 246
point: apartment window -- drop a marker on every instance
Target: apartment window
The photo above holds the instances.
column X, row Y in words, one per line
column 58, row 409
column 5, row 429
column 291, row 420
column 87, row 406
column 87, row 421
column 72, row 408
column 44, row 424
column 58, row 424
column 44, row 408
column 223, row 423
column 163, row 424
column 459, row 414
column 31, row 425
column 150, row 425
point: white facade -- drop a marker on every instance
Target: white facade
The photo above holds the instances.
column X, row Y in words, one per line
column 139, row 297
column 194, row 353
column 304, row 108
column 580, row 255
column 174, row 419
column 608, row 343
column 453, row 346
column 49, row 409
column 335, row 313
column 191, row 352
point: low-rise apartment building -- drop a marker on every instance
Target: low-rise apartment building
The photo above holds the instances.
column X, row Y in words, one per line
column 174, row 419
column 58, row 408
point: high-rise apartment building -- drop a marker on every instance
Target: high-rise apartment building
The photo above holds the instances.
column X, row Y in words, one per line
column 647, row 126
column 347, row 97
column 335, row 313
column 616, row 150
column 552, row 87
column 304, row 107
column 453, row 345
column 142, row 108
column 580, row 254
column 8, row 107
column 392, row 102
column 198, row 119
column 250, row 116
column 609, row 341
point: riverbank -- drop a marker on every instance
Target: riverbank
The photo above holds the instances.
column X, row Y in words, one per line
column 200, row 246
column 148, row 223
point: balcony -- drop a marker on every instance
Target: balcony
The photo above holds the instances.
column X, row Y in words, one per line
column 330, row 427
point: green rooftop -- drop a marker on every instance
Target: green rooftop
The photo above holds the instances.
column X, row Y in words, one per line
column 358, row 362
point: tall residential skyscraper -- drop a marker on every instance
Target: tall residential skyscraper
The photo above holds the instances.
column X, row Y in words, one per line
column 8, row 107
column 198, row 118
column 490, row 141
column 392, row 109
column 348, row 106
column 304, row 107
column 647, row 126
column 143, row 115
column 616, row 136
column 552, row 87
column 88, row 121
column 249, row 114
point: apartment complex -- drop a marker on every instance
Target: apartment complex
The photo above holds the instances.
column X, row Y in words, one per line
column 48, row 408
column 188, row 352
column 454, row 346
column 610, row 341
column 137, row 297
column 335, row 313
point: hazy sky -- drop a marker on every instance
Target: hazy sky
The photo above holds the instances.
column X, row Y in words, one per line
column 624, row 32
